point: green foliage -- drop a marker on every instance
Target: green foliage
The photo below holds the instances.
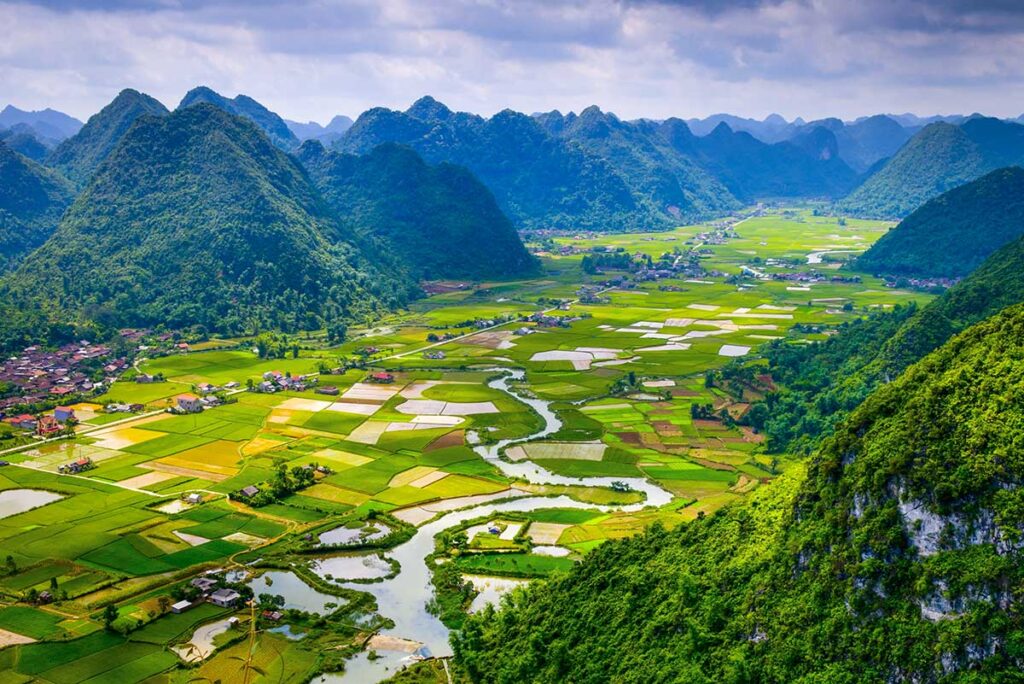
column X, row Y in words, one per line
column 197, row 219
column 897, row 557
column 938, row 158
column 952, row 234
column 267, row 121
column 32, row 199
column 439, row 220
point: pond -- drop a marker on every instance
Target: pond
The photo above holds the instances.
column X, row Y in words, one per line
column 370, row 566
column 15, row 501
column 491, row 589
column 297, row 594
column 351, row 535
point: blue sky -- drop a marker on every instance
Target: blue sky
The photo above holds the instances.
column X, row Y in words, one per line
column 311, row 59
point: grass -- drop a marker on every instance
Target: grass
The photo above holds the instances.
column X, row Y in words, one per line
column 30, row 622
column 513, row 564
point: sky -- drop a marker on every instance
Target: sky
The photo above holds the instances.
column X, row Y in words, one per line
column 312, row 59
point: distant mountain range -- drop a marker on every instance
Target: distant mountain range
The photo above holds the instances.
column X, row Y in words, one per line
column 325, row 134
column 939, row 157
column 950, row 235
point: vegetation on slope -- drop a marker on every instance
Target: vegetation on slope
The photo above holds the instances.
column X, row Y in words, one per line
column 440, row 221
column 32, row 199
column 951, row 235
column 79, row 156
column 938, row 158
column 244, row 106
column 897, row 558
column 197, row 219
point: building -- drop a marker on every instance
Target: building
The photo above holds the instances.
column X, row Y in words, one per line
column 382, row 378
column 181, row 606
column 24, row 422
column 204, row 584
column 207, row 388
column 189, row 403
column 327, row 389
column 48, row 426
column 64, row 413
column 250, row 491
column 194, row 498
column 76, row 466
column 225, row 598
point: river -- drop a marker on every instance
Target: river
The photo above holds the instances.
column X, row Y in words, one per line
column 404, row 598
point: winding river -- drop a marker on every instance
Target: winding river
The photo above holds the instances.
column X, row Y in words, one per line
column 404, row 597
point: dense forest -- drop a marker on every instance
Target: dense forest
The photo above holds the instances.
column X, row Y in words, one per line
column 196, row 219
column 439, row 221
column 951, row 235
column 896, row 557
column 938, row 158
column 31, row 203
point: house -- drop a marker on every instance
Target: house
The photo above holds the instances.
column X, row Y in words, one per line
column 327, row 389
column 76, row 466
column 204, row 584
column 272, row 615
column 273, row 376
column 143, row 378
column 48, row 426
column 250, row 491
column 230, row 385
column 225, row 598
column 382, row 378
column 194, row 498
column 206, row 388
column 433, row 355
column 64, row 413
column 188, row 403
column 24, row 422
column 181, row 606
column 266, row 387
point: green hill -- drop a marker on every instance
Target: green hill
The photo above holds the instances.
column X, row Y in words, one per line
column 32, row 199
column 79, row 156
column 949, row 236
column 938, row 158
column 439, row 220
column 244, row 106
column 196, row 219
column 896, row 557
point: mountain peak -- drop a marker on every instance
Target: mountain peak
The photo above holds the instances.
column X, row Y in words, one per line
column 242, row 105
column 428, row 109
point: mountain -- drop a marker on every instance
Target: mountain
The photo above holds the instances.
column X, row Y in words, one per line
column 863, row 143
column 47, row 123
column 242, row 105
column 940, row 157
column 772, row 129
column 538, row 180
column 950, row 235
column 314, row 131
column 81, row 154
column 24, row 140
column 197, row 219
column 595, row 171
column 439, row 220
column 751, row 169
column 32, row 199
column 896, row 556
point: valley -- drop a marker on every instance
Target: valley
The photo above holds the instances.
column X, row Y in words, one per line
column 490, row 434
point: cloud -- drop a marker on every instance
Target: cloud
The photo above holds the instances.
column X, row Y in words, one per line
column 311, row 59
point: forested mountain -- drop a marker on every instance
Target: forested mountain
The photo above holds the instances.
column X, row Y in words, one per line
column 47, row 123
column 595, row 171
column 825, row 381
column 195, row 219
column 25, row 141
column 242, row 105
column 32, row 199
column 896, row 557
column 440, row 221
column 863, row 143
column 538, row 180
column 80, row 155
column 773, row 128
column 938, row 158
column 950, row 235
column 325, row 134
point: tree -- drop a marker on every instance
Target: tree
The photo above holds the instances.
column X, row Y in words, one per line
column 337, row 332
column 110, row 615
column 164, row 603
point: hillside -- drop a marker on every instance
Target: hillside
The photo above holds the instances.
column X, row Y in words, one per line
column 897, row 557
column 439, row 220
column 81, row 154
column 46, row 123
column 938, row 158
column 311, row 130
column 950, row 235
column 824, row 382
column 32, row 199
column 197, row 219
column 244, row 106
column 862, row 144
